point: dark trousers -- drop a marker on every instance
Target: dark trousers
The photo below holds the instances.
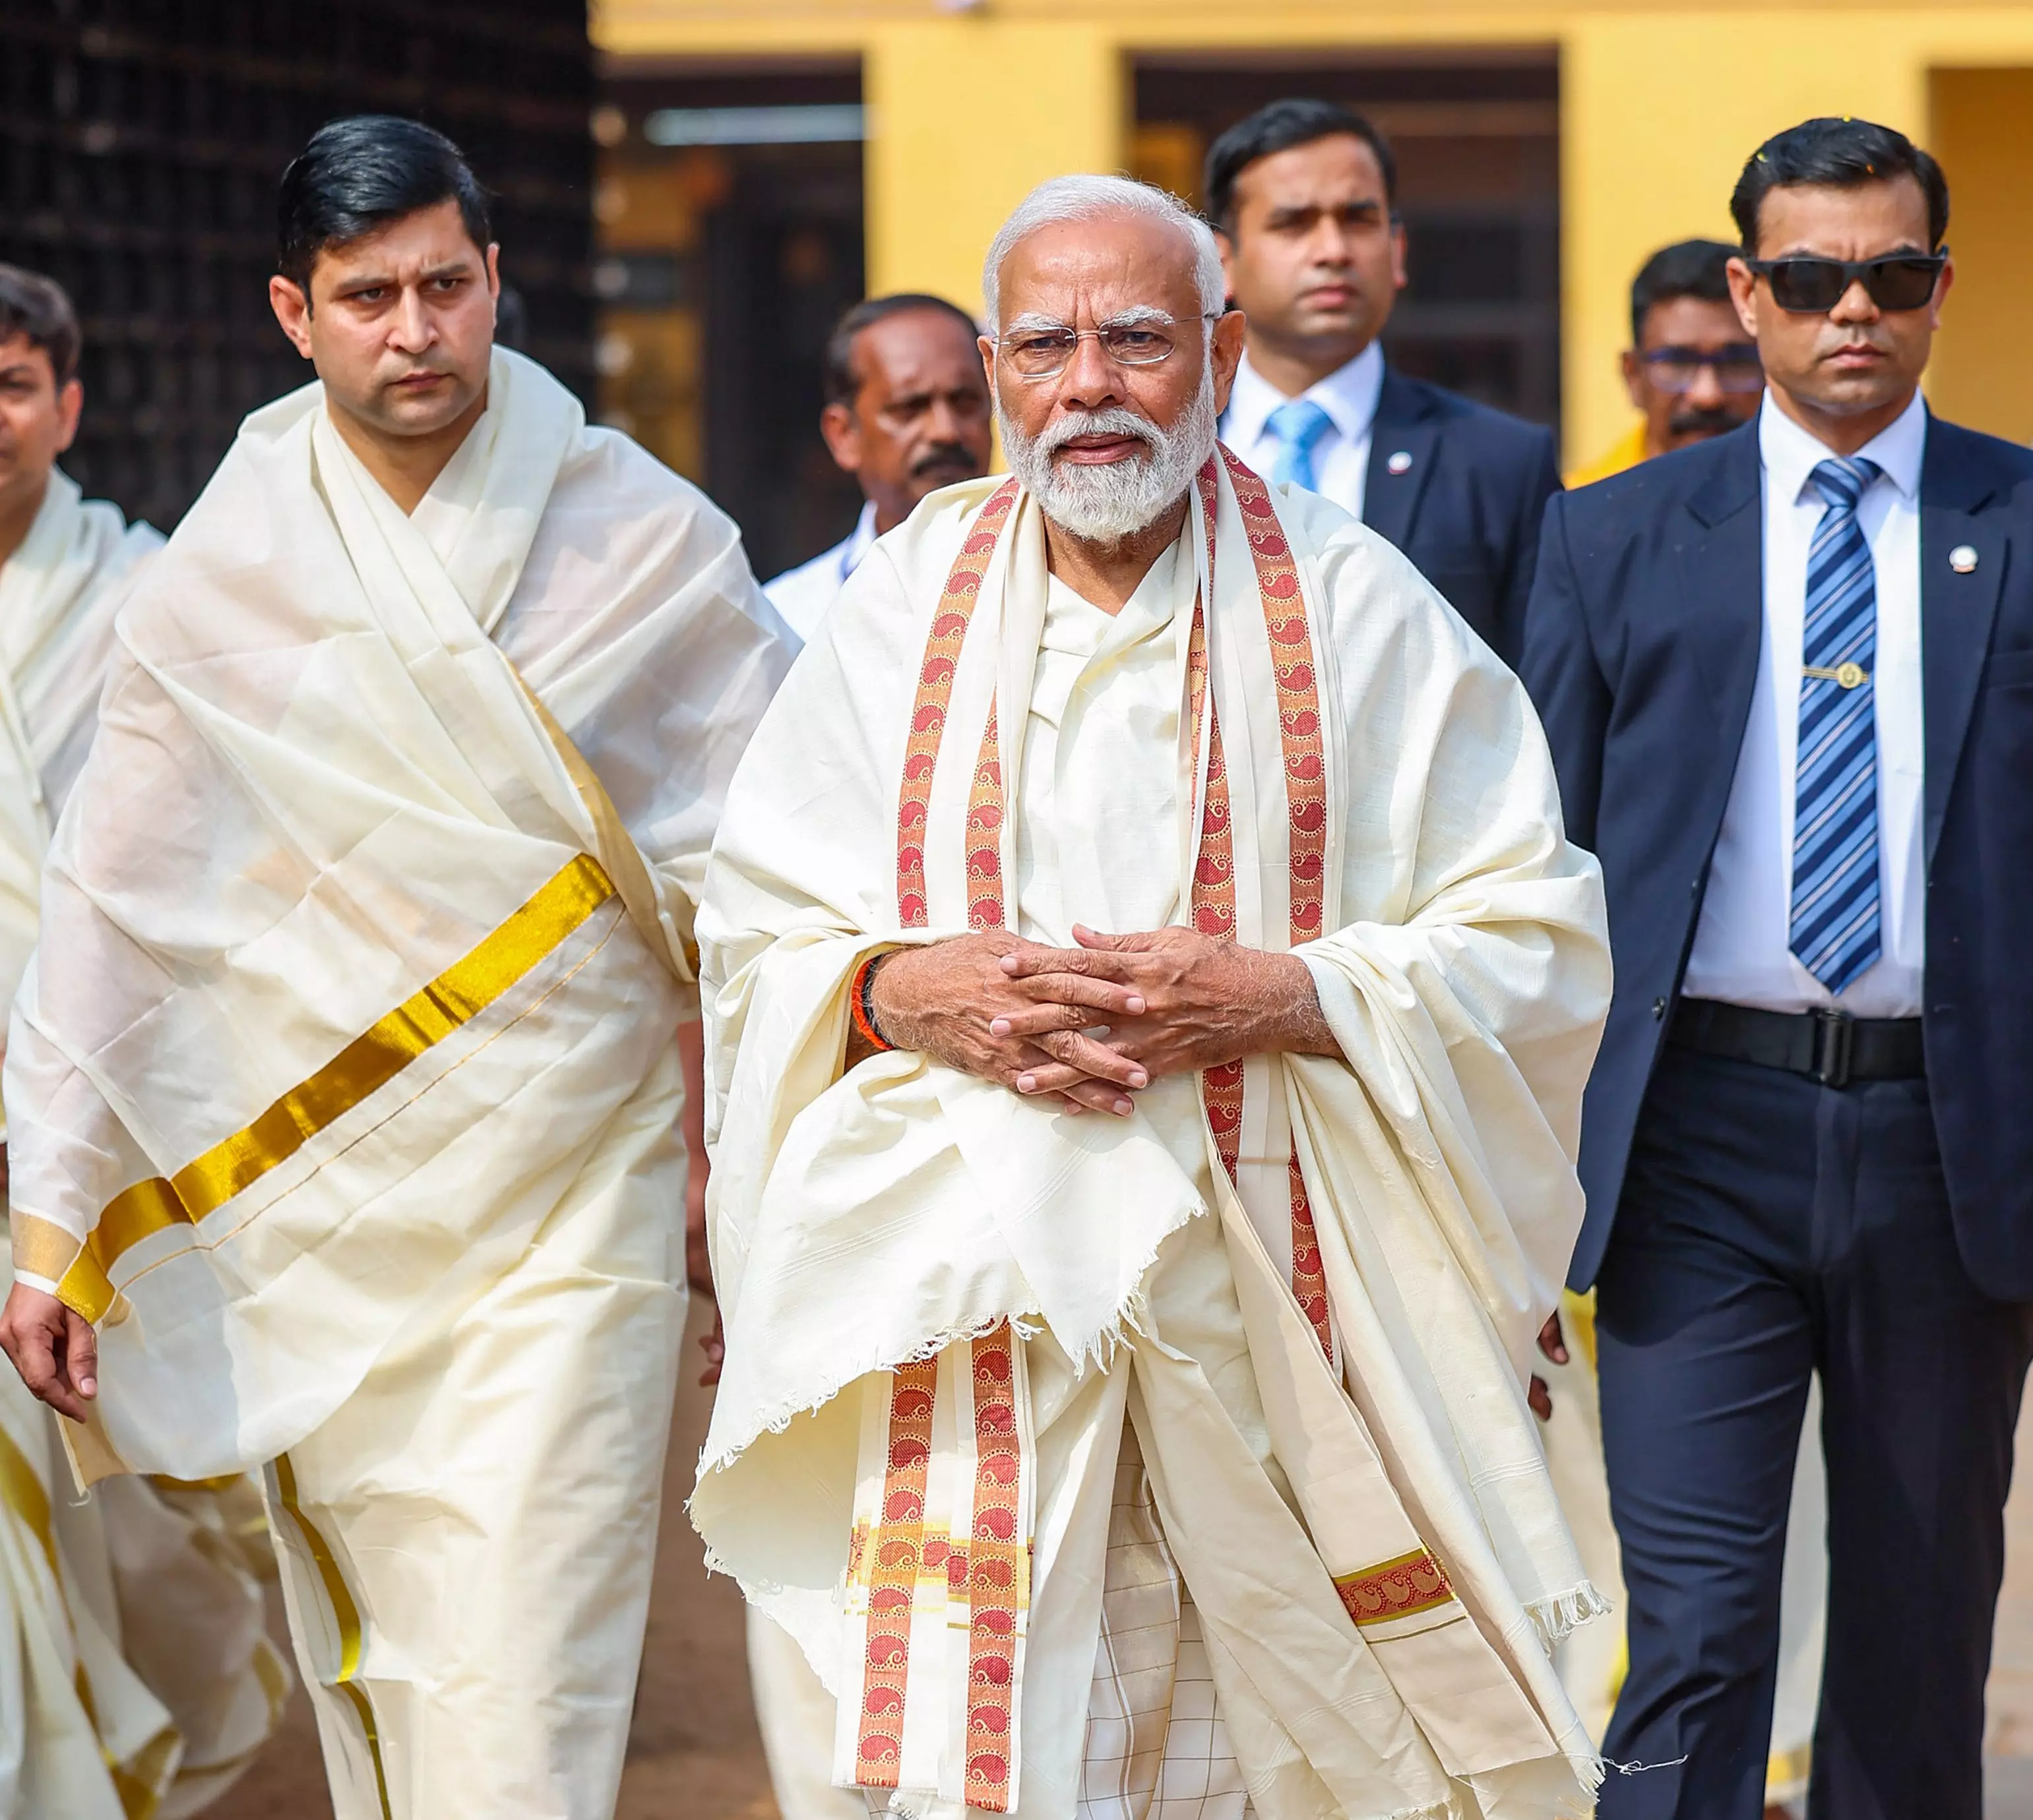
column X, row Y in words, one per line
column 1771, row 1228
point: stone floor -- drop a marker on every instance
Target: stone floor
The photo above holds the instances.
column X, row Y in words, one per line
column 693, row 1754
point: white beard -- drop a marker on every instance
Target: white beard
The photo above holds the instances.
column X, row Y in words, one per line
column 1106, row 503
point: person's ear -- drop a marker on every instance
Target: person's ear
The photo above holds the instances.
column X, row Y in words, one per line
column 1634, row 378
column 1225, row 240
column 842, row 431
column 494, row 272
column 293, row 310
column 1226, row 353
column 1940, row 292
column 1400, row 253
column 70, row 404
column 1743, row 294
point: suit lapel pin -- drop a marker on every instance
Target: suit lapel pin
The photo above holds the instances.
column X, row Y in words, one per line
column 1962, row 559
column 1401, row 463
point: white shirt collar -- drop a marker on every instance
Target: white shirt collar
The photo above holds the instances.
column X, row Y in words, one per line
column 858, row 541
column 1348, row 395
column 1790, row 454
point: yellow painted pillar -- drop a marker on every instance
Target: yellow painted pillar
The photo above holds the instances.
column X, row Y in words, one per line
column 966, row 113
column 1658, row 113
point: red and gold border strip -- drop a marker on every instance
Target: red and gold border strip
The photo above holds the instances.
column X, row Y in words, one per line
column 995, row 1573
column 1401, row 1588
column 1213, row 905
column 896, row 1550
column 1304, row 751
column 984, row 833
column 1309, row 1280
column 1298, row 696
column 935, row 696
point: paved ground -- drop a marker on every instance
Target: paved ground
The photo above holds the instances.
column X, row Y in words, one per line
column 692, row 1754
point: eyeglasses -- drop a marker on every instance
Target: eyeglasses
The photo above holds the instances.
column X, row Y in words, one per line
column 1736, row 367
column 1042, row 352
column 1815, row 287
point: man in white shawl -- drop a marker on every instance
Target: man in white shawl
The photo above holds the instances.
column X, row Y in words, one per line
column 346, row 1084
column 1149, row 995
column 135, row 1675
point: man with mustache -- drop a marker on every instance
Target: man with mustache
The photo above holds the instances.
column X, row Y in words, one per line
column 1689, row 370
column 1149, row 997
column 346, row 1089
column 1787, row 676
column 906, row 413
column 1303, row 194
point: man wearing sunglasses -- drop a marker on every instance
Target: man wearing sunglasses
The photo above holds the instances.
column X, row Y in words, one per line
column 1690, row 369
column 1787, row 679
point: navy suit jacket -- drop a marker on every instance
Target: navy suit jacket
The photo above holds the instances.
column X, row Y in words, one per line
column 1641, row 649
column 1468, row 506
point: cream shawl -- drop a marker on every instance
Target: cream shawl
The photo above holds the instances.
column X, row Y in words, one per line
column 1364, row 1520
column 349, row 956
column 59, row 594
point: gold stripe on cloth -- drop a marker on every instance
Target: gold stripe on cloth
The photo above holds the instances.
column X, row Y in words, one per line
column 21, row 1489
column 42, row 1248
column 345, row 1615
column 370, row 1061
column 140, row 1782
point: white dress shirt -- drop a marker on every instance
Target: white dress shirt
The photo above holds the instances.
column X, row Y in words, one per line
column 1740, row 952
column 1340, row 456
column 802, row 595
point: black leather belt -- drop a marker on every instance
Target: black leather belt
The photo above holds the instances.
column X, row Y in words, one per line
column 1829, row 1046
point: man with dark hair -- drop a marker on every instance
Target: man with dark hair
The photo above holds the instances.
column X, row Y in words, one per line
column 1787, row 678
column 1691, row 372
column 906, row 413
column 1304, row 195
column 93, row 1713
column 346, row 1088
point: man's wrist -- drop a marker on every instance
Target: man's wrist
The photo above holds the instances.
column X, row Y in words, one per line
column 861, row 1000
column 1292, row 1021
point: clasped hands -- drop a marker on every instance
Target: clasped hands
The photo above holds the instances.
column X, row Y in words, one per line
column 1094, row 1024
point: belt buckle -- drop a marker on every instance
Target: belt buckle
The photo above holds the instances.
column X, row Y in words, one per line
column 1835, row 1046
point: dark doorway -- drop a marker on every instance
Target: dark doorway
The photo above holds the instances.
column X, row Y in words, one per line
column 1478, row 151
column 732, row 242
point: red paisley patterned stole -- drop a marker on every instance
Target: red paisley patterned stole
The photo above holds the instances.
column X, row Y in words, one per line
column 986, row 1573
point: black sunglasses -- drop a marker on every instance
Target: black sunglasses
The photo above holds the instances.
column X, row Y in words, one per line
column 1815, row 287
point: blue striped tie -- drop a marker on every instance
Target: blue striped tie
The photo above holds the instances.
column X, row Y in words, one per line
column 1297, row 423
column 1834, row 927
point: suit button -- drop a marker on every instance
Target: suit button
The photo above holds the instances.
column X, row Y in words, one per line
column 1695, row 890
column 1659, row 1008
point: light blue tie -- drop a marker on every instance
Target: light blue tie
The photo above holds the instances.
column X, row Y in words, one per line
column 1834, row 924
column 1297, row 423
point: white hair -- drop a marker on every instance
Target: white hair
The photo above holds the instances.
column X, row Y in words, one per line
column 1085, row 198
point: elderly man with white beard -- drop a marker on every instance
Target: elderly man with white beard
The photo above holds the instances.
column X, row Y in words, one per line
column 1148, row 996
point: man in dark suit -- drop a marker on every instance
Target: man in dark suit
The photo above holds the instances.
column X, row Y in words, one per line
column 1303, row 196
column 1788, row 677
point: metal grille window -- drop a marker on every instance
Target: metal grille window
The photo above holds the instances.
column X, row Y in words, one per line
column 140, row 144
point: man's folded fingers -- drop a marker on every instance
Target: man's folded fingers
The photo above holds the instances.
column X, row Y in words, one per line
column 1093, row 1058
column 1079, row 988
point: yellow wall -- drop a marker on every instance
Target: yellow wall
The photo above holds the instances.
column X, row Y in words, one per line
column 966, row 116
column 1984, row 134
column 1660, row 105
